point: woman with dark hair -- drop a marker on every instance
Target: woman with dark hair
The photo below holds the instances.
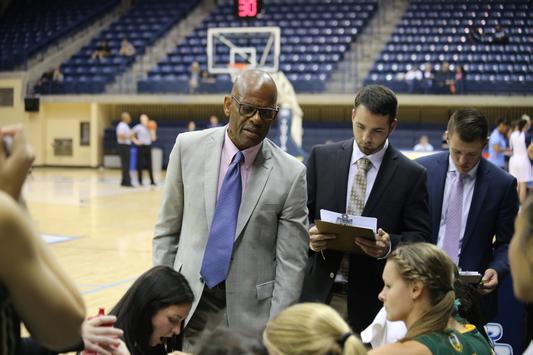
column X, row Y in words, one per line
column 419, row 290
column 152, row 311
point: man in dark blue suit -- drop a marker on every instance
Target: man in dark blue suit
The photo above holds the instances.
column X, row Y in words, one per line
column 473, row 203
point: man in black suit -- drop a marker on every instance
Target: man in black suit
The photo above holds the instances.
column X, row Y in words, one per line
column 367, row 177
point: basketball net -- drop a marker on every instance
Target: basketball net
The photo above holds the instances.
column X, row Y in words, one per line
column 237, row 68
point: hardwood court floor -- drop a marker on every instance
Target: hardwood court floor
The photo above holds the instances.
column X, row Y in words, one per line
column 111, row 226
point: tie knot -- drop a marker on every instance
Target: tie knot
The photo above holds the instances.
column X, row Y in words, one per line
column 462, row 177
column 364, row 164
column 238, row 157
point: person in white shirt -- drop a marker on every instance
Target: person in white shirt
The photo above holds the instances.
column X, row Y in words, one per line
column 124, row 143
column 143, row 140
column 423, row 145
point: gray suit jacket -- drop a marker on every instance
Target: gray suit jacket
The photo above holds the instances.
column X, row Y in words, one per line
column 271, row 241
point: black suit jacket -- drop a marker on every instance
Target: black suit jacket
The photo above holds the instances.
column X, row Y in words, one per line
column 399, row 201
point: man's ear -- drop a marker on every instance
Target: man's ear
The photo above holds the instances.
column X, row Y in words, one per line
column 227, row 105
column 447, row 137
column 393, row 125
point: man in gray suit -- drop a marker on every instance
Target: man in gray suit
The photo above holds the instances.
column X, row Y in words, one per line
column 269, row 243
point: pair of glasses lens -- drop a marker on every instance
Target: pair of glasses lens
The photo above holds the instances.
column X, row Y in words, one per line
column 267, row 114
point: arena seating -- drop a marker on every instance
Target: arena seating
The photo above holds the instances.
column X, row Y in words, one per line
column 434, row 31
column 142, row 25
column 26, row 27
column 314, row 38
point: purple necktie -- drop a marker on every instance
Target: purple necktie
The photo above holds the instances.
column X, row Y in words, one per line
column 217, row 255
column 454, row 214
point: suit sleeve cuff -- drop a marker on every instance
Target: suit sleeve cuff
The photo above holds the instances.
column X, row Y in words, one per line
column 388, row 253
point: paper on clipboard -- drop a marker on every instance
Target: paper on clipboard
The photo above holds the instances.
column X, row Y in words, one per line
column 346, row 228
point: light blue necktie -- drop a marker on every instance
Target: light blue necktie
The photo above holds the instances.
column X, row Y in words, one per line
column 452, row 236
column 219, row 247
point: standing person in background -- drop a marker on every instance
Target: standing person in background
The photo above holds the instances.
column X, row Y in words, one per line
column 423, row 145
column 498, row 143
column 233, row 218
column 143, row 139
column 213, row 122
column 194, row 78
column 191, row 126
column 519, row 164
column 363, row 176
column 124, row 135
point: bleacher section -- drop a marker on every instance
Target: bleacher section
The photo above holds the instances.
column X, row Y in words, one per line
column 434, row 31
column 314, row 37
column 142, row 25
column 26, row 27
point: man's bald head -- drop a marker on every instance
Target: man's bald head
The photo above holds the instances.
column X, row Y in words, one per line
column 255, row 80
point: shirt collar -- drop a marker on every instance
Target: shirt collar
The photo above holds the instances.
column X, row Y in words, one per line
column 453, row 168
column 229, row 150
column 375, row 158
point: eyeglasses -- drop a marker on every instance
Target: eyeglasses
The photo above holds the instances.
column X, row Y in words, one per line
column 247, row 111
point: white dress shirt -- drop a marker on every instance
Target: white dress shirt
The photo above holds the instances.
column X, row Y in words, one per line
column 468, row 192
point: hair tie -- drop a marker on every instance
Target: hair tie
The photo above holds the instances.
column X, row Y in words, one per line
column 342, row 339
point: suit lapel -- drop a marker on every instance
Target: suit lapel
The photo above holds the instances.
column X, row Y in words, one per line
column 342, row 171
column 212, row 153
column 385, row 174
column 254, row 188
column 437, row 193
column 480, row 191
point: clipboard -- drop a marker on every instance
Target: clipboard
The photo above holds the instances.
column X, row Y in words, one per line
column 345, row 236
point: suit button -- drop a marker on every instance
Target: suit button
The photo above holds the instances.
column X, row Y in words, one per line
column 331, row 275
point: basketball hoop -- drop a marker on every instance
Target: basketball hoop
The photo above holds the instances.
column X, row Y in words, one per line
column 236, row 69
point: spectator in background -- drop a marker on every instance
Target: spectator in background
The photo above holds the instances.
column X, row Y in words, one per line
column 423, row 145
column 57, row 75
column 498, row 143
column 102, row 51
column 500, row 37
column 459, row 80
column 207, row 78
column 191, row 126
column 142, row 137
column 476, row 35
column 413, row 78
column 428, row 76
column 213, row 122
column 126, row 48
column 443, row 79
column 519, row 164
column 311, row 328
column 194, row 77
column 124, row 134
